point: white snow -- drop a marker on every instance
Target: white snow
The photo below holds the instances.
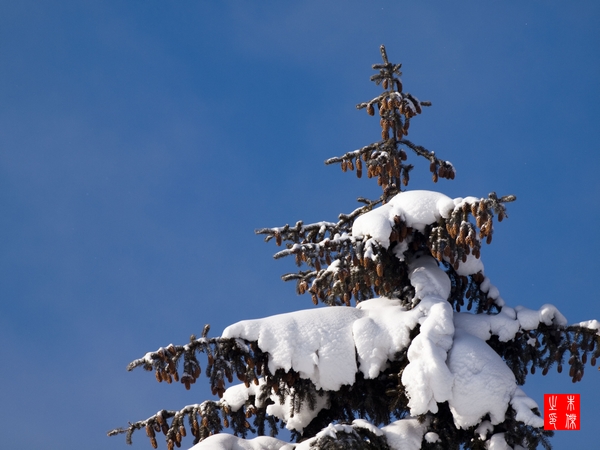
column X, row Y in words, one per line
column 321, row 344
column 334, row 266
column 416, row 208
column 547, row 314
column 237, row 395
column 488, row 288
column 590, row 324
column 483, row 383
column 317, row 343
column 400, row 248
column 449, row 359
column 381, row 332
column 405, row 434
column 523, row 405
column 483, row 429
column 508, row 322
column 361, row 423
column 428, row 279
column 497, row 442
column 229, row 442
column 426, row 378
column 432, row 437
column 333, row 429
column 459, row 201
column 471, row 266
column 504, row 324
column 300, row 419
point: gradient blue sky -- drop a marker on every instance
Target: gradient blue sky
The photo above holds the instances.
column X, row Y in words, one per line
column 143, row 142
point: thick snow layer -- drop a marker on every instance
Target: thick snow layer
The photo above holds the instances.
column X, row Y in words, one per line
column 547, row 314
column 503, row 324
column 317, row 343
column 508, row 322
column 405, row 434
column 230, row 442
column 482, row 381
column 426, row 378
column 428, row 279
column 381, row 333
column 321, row 344
column 416, row 208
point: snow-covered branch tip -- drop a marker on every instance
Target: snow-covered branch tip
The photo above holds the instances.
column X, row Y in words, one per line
column 454, row 238
column 315, row 232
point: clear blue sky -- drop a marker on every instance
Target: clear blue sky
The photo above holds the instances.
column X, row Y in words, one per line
column 142, row 142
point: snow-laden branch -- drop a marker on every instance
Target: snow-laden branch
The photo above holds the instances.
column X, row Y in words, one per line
column 363, row 254
column 406, row 434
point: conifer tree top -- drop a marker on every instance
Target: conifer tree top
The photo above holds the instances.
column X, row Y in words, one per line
column 431, row 356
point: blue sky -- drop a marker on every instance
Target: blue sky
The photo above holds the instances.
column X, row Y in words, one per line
column 142, row 143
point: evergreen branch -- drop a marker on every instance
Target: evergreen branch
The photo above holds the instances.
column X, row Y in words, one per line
column 438, row 167
column 353, row 154
column 346, row 267
column 454, row 239
column 209, row 423
column 226, row 357
column 548, row 345
column 469, row 289
column 515, row 432
column 316, row 244
column 315, row 232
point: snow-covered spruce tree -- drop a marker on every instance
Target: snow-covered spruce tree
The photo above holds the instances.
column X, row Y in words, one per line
column 431, row 357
